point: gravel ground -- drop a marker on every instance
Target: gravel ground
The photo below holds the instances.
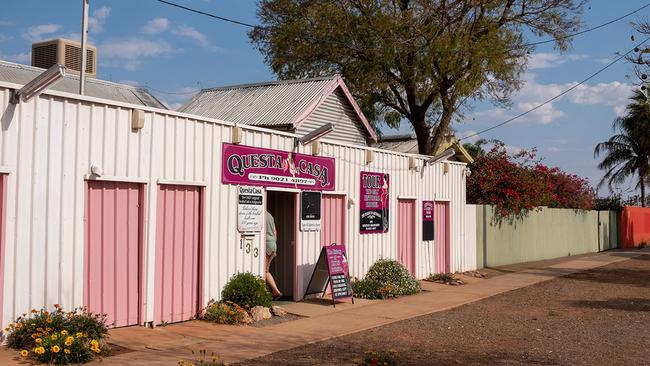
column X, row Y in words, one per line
column 596, row 317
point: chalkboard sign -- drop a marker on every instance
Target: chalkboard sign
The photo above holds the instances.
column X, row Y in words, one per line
column 331, row 267
column 427, row 220
column 310, row 211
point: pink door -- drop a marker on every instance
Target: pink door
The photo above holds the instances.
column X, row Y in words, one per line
column 406, row 233
column 3, row 211
column 178, row 253
column 332, row 219
column 113, row 251
column 441, row 236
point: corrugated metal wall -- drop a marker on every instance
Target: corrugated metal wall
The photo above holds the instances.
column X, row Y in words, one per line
column 336, row 110
column 48, row 144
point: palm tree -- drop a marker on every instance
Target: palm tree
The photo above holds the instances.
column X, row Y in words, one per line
column 627, row 153
column 475, row 149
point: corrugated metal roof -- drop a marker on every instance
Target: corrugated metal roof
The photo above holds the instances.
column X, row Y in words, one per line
column 263, row 104
column 22, row 74
column 408, row 144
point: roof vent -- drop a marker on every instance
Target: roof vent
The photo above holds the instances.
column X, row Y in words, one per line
column 64, row 52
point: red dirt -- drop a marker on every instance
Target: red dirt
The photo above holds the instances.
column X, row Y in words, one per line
column 596, row 317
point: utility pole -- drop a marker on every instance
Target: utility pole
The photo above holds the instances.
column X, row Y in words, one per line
column 84, row 41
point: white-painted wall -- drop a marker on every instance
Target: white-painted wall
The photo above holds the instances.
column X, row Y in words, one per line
column 48, row 144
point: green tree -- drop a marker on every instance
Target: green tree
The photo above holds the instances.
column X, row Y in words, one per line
column 475, row 149
column 416, row 60
column 627, row 153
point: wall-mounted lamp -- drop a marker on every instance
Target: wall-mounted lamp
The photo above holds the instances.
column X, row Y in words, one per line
column 370, row 156
column 315, row 148
column 137, row 119
column 236, row 135
column 316, row 134
column 442, row 156
column 413, row 163
column 445, row 167
column 96, row 170
column 467, row 172
column 40, row 83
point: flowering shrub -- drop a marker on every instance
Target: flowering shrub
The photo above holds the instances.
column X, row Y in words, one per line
column 202, row 360
column 247, row 290
column 386, row 278
column 225, row 312
column 58, row 337
column 372, row 358
column 518, row 183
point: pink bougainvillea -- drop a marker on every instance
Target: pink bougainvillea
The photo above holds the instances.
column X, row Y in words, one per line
column 518, row 183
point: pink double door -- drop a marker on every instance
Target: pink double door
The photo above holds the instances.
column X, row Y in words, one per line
column 406, row 236
column 441, row 236
column 113, row 251
column 178, row 253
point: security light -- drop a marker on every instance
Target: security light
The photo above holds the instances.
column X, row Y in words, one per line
column 316, row 134
column 40, row 83
column 440, row 157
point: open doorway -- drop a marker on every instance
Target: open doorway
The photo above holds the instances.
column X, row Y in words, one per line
column 282, row 206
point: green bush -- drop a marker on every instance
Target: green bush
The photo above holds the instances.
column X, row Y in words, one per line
column 386, row 278
column 246, row 290
column 58, row 337
column 373, row 358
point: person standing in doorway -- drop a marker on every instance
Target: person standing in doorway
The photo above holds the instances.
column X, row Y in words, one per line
column 271, row 252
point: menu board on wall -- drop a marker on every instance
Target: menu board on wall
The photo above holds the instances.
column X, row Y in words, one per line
column 427, row 220
column 310, row 210
column 250, row 209
column 374, row 203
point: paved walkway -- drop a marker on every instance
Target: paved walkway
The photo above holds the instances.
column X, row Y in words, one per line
column 170, row 344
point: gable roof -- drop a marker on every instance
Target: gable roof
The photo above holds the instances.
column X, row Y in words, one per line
column 285, row 103
column 22, row 74
column 409, row 144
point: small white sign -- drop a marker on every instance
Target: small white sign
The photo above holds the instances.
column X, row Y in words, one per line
column 250, row 209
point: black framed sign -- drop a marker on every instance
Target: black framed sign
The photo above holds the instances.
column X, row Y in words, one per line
column 310, row 206
column 427, row 220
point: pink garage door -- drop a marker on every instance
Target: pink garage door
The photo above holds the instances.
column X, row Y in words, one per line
column 441, row 236
column 178, row 253
column 113, row 251
column 332, row 219
column 3, row 211
column 406, row 234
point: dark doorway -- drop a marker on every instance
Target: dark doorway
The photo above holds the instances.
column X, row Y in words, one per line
column 282, row 206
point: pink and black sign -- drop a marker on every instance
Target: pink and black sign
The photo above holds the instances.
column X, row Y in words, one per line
column 275, row 168
column 337, row 265
column 374, row 203
column 427, row 220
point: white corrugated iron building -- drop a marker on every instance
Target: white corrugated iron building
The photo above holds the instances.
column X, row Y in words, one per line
column 137, row 221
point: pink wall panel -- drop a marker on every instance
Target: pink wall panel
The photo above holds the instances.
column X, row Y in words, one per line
column 441, row 236
column 332, row 219
column 113, row 251
column 3, row 219
column 178, row 253
column 406, row 234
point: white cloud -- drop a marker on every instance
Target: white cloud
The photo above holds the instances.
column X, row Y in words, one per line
column 546, row 60
column 129, row 52
column 195, row 35
column 36, row 32
column 613, row 94
column 474, row 137
column 553, row 149
column 96, row 21
column 156, row 25
column 19, row 57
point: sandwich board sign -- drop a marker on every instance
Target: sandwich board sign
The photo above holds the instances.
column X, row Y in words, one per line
column 331, row 268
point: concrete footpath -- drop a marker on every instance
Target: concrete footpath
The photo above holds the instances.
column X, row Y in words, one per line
column 170, row 344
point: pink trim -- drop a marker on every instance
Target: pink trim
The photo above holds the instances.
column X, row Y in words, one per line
column 441, row 236
column 296, row 198
column 406, row 213
column 337, row 82
column 3, row 225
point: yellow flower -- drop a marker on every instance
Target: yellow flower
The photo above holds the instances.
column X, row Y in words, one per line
column 55, row 349
column 55, row 337
column 231, row 312
column 39, row 350
column 18, row 325
column 94, row 343
column 34, row 311
column 24, row 353
column 64, row 332
column 95, row 349
column 57, row 306
column 49, row 320
column 46, row 312
column 68, row 343
column 38, row 340
column 66, row 351
column 79, row 335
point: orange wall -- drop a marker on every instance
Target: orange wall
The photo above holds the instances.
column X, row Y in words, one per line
column 635, row 226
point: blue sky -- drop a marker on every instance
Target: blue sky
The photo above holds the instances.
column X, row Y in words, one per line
column 174, row 53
